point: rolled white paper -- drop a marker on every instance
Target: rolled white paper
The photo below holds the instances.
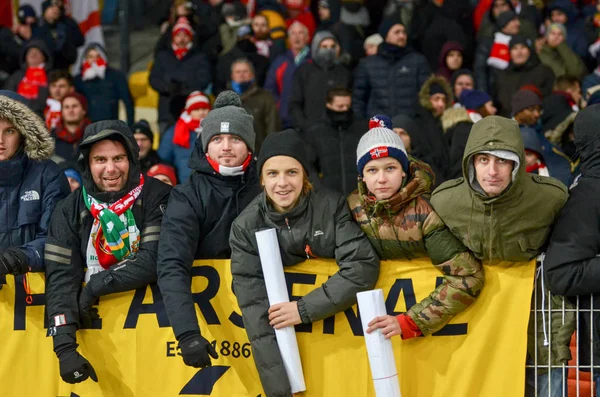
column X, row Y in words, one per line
column 270, row 259
column 381, row 353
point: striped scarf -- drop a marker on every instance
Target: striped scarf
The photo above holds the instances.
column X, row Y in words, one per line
column 114, row 233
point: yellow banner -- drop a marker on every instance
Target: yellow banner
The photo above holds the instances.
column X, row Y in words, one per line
column 133, row 350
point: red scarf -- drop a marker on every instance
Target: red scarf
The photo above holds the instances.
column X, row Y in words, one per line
column 94, row 70
column 30, row 85
column 52, row 113
column 181, row 52
column 229, row 171
column 538, row 166
column 183, row 128
column 500, row 53
column 64, row 135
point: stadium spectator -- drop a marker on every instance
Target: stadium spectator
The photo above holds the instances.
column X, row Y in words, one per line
column 556, row 53
column 60, row 83
column 68, row 133
column 145, row 138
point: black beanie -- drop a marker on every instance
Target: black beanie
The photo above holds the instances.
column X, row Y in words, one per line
column 504, row 18
column 283, row 143
column 143, row 127
column 386, row 25
column 436, row 88
column 519, row 39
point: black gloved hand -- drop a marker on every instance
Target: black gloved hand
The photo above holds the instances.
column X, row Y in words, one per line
column 87, row 313
column 74, row 368
column 13, row 261
column 195, row 350
column 174, row 88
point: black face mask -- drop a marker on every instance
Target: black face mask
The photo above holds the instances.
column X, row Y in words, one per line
column 246, row 45
column 352, row 7
column 339, row 118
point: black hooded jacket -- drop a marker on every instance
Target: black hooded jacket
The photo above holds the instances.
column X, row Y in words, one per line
column 196, row 226
column 572, row 263
column 71, row 224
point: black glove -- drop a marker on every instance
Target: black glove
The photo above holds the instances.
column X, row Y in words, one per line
column 74, row 368
column 195, row 350
column 87, row 313
column 175, row 88
column 13, row 261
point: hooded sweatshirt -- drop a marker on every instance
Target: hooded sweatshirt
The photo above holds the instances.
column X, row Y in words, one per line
column 512, row 226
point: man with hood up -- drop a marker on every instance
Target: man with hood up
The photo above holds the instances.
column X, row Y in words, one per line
column 313, row 80
column 30, row 186
column 502, row 213
column 572, row 260
column 103, row 86
column 200, row 214
column 105, row 233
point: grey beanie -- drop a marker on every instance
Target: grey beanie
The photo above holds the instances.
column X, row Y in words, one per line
column 228, row 117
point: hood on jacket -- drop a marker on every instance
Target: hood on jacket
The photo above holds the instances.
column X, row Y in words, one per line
column 453, row 116
column 449, row 46
column 424, row 93
column 419, row 181
column 565, row 6
column 38, row 144
column 319, row 37
column 491, row 134
column 587, row 140
column 531, row 141
column 40, row 45
column 95, row 46
column 115, row 130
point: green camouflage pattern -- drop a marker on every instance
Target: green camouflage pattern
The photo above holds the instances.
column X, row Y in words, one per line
column 406, row 227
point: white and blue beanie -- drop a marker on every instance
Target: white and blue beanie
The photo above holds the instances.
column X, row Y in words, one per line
column 377, row 143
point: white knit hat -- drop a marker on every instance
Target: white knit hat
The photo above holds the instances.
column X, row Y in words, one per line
column 377, row 143
column 197, row 100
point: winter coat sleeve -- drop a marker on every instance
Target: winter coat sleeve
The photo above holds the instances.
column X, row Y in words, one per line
column 480, row 67
column 251, row 292
column 573, row 63
column 159, row 78
column 361, row 90
column 271, row 80
column 125, row 96
column 180, row 235
column 297, row 101
column 272, row 122
column 572, row 265
column 141, row 270
column 64, row 264
column 457, row 149
column 166, row 150
column 75, row 35
column 201, row 78
column 56, row 188
column 463, row 278
column 423, row 71
column 358, row 270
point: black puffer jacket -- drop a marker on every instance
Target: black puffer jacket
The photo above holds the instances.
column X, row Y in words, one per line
column 333, row 141
column 572, row 263
column 389, row 82
column 71, row 224
column 196, row 226
column 321, row 223
column 175, row 79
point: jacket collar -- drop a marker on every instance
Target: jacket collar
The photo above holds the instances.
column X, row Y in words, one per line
column 298, row 211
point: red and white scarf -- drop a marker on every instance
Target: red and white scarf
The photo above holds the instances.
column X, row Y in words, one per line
column 474, row 116
column 35, row 77
column 229, row 171
column 65, row 135
column 52, row 113
column 90, row 71
column 539, row 167
column 183, row 128
column 500, row 53
column 181, row 52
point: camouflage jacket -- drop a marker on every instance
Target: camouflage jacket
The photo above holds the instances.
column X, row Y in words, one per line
column 406, row 227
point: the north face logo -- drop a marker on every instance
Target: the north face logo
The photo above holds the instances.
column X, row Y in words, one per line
column 30, row 195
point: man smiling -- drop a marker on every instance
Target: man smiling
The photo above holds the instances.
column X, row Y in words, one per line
column 105, row 233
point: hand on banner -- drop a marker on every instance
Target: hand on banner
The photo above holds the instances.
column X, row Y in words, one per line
column 87, row 313
column 74, row 368
column 284, row 315
column 196, row 350
column 389, row 326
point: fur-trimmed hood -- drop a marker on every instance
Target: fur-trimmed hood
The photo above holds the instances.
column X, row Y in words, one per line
column 37, row 143
column 424, row 93
column 555, row 135
column 453, row 116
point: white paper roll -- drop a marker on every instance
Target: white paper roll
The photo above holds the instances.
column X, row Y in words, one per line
column 381, row 354
column 270, row 259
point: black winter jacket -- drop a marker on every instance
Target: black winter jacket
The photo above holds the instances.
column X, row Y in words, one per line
column 309, row 91
column 572, row 266
column 175, row 79
column 31, row 185
column 71, row 224
column 321, row 223
column 196, row 226
column 389, row 82
column 333, row 144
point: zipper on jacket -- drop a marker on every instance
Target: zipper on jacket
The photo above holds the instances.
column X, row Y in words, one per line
column 287, row 223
